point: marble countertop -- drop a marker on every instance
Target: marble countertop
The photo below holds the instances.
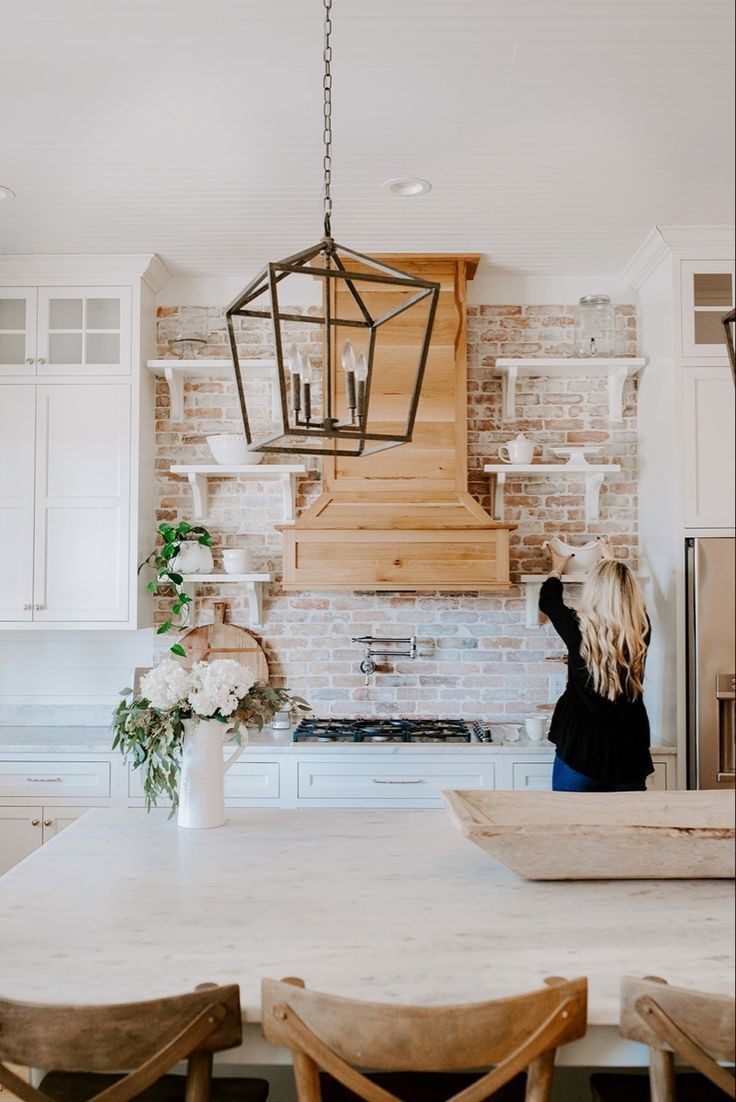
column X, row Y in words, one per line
column 361, row 903
column 74, row 740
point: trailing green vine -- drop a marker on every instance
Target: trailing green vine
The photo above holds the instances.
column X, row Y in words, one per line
column 162, row 560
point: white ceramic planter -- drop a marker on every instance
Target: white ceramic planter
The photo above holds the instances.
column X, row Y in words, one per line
column 194, row 558
column 202, row 781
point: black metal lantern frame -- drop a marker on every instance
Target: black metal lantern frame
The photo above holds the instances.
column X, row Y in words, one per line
column 337, row 432
column 348, row 431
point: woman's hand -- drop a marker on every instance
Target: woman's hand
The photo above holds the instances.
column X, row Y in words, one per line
column 606, row 549
column 559, row 562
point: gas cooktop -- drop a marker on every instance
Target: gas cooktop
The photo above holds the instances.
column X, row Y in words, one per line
column 388, row 730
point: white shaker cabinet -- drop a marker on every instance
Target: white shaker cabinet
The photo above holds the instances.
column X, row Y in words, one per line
column 21, row 832
column 76, row 440
column 708, row 446
column 706, row 294
column 17, row 472
column 81, row 554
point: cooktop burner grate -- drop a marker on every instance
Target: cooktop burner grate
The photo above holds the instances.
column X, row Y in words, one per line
column 387, row 730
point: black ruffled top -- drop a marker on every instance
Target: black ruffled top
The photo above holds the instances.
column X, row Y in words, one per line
column 607, row 740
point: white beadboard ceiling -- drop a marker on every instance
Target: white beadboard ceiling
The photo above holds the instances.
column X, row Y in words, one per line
column 555, row 133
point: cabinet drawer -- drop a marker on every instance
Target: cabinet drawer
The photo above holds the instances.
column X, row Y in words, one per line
column 389, row 779
column 42, row 780
column 531, row 776
column 246, row 780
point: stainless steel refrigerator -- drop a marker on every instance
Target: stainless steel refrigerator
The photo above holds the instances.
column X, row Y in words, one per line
column 711, row 662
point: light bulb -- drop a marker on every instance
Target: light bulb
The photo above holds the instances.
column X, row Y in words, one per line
column 361, row 368
column 348, row 357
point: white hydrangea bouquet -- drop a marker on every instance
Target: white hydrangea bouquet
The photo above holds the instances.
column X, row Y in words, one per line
column 150, row 726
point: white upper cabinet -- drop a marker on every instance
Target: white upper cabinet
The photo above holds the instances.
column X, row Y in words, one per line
column 82, row 555
column 84, row 331
column 707, row 293
column 708, row 441
column 17, row 466
column 17, row 330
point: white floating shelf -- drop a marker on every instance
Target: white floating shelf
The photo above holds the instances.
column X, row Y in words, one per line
column 616, row 370
column 200, row 473
column 176, row 371
column 252, row 583
column 592, row 474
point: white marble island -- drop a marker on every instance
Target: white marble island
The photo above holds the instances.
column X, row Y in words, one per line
column 391, row 905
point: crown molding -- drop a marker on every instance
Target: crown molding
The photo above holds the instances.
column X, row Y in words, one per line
column 20, row 269
column 662, row 241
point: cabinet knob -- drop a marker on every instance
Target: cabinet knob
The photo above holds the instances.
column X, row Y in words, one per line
column 48, row 822
column 38, row 608
column 35, row 822
column 30, row 360
column 40, row 360
column 27, row 607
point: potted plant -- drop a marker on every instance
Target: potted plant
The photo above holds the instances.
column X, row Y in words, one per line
column 179, row 543
column 173, row 730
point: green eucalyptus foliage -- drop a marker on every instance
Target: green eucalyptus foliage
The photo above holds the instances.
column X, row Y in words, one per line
column 153, row 739
column 161, row 560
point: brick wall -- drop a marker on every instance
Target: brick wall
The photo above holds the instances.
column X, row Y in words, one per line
column 477, row 657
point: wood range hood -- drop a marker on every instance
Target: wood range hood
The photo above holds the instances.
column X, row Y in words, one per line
column 403, row 519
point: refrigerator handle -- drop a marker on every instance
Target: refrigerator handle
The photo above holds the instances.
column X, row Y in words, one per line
column 726, row 697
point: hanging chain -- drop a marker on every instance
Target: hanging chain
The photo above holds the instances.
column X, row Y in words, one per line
column 327, row 118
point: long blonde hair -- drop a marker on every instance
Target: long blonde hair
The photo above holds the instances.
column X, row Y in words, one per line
column 613, row 623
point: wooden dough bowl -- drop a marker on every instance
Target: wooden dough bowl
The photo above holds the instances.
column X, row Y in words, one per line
column 601, row 836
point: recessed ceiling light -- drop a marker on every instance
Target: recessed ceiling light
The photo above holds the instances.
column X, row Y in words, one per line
column 6, row 192
column 407, row 186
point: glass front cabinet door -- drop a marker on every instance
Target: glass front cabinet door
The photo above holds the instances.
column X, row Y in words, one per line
column 84, row 331
column 707, row 294
column 17, row 330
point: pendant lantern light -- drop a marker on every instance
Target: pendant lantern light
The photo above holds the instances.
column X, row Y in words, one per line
column 338, row 395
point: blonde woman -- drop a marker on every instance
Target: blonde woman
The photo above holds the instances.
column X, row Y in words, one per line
column 600, row 726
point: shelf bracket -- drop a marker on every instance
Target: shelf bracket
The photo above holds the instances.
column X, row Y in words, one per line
column 533, row 618
column 616, row 382
column 200, row 492
column 593, row 483
column 288, row 489
column 498, row 484
column 254, row 593
column 175, row 383
column 508, row 392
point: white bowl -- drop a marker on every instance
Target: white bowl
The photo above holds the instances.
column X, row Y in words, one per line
column 232, row 449
column 585, row 556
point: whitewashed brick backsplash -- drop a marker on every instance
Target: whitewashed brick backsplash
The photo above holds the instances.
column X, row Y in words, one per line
column 476, row 656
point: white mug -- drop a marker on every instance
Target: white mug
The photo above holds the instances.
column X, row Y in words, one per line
column 519, row 450
column 237, row 560
column 535, row 727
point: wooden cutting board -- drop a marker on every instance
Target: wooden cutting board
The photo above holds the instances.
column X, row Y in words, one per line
column 221, row 640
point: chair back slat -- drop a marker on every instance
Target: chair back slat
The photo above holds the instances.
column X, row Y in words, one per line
column 421, row 1038
column 709, row 1020
column 109, row 1038
column 339, row 1036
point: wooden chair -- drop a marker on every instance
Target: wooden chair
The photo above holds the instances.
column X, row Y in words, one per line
column 673, row 1022
column 80, row 1043
column 421, row 1053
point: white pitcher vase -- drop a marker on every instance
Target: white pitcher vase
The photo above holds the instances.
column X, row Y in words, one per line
column 202, row 780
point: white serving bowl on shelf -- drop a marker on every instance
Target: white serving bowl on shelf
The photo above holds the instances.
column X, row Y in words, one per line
column 584, row 557
column 231, row 449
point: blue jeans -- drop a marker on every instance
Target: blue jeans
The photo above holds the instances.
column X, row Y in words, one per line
column 565, row 779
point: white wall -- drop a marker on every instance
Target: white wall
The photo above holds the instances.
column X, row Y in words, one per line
column 659, row 506
column 67, row 677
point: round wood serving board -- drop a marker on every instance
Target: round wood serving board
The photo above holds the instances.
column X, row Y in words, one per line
column 221, row 640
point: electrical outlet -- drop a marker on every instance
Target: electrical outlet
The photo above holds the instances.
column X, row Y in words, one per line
column 557, row 683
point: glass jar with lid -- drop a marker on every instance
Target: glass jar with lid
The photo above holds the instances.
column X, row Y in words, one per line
column 595, row 326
